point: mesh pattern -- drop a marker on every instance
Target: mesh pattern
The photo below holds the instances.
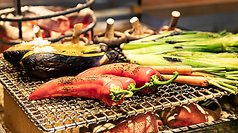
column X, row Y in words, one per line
column 56, row 114
column 225, row 125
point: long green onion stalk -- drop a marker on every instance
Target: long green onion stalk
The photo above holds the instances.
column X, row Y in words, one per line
column 193, row 48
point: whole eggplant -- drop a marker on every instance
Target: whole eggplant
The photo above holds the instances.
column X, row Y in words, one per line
column 47, row 65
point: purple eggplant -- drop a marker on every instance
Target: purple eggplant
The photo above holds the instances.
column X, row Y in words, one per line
column 53, row 64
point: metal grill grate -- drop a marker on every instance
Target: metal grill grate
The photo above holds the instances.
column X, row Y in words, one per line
column 224, row 125
column 55, row 114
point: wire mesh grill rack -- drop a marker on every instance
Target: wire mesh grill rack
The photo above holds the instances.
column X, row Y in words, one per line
column 224, row 125
column 54, row 114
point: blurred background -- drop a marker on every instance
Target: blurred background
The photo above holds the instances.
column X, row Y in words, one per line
column 203, row 15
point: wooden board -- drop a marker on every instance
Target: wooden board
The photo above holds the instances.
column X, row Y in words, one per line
column 17, row 121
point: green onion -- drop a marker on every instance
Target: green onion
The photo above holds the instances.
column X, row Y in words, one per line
column 183, row 36
column 213, row 53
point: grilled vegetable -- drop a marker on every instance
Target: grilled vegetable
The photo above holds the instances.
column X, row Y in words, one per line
column 172, row 26
column 202, row 47
column 101, row 87
column 62, row 60
column 172, row 44
column 182, row 70
column 225, row 84
column 208, row 52
column 172, row 37
column 166, row 60
column 110, row 37
column 16, row 52
column 142, row 123
column 191, row 80
column 76, row 46
column 146, row 78
column 230, row 64
column 199, row 76
column 137, row 31
column 76, row 38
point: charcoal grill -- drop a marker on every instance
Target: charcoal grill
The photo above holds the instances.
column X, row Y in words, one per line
column 56, row 114
column 19, row 18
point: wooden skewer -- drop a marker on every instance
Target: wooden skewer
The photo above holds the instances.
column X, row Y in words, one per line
column 174, row 20
column 137, row 27
column 77, row 33
column 109, row 33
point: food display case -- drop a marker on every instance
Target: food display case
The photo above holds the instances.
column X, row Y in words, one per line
column 77, row 114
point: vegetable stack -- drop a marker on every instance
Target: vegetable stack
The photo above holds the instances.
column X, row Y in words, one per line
column 109, row 83
column 213, row 53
